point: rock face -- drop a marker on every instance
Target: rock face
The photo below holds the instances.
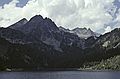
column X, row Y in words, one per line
column 81, row 32
column 19, row 23
column 39, row 43
column 84, row 32
column 64, row 29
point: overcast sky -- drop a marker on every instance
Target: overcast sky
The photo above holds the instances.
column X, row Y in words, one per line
column 100, row 15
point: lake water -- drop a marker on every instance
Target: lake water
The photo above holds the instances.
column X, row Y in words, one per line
column 60, row 75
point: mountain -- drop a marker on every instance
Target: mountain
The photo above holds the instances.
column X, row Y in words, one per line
column 42, row 37
column 39, row 43
column 37, row 22
column 45, row 30
column 81, row 32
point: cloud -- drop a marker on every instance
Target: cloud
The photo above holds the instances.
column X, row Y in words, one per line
column 67, row 13
column 10, row 13
column 108, row 29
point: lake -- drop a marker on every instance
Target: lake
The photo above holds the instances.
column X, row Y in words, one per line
column 60, row 75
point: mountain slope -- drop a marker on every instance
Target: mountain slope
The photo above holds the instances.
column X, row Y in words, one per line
column 104, row 47
column 112, row 63
column 27, row 56
column 109, row 40
column 14, row 36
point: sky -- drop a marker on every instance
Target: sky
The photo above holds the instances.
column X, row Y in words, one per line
column 100, row 15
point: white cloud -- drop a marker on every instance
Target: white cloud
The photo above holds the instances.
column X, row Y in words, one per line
column 10, row 13
column 68, row 13
column 108, row 29
column 117, row 20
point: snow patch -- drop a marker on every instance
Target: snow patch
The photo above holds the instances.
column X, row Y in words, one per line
column 106, row 44
column 116, row 45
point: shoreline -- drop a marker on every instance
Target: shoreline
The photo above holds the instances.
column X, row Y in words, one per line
column 61, row 69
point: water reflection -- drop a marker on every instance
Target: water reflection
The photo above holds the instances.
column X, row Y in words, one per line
column 60, row 75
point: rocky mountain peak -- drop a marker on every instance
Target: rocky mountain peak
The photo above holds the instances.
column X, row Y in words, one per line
column 77, row 28
column 50, row 24
column 64, row 29
column 83, row 32
column 36, row 18
column 19, row 23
